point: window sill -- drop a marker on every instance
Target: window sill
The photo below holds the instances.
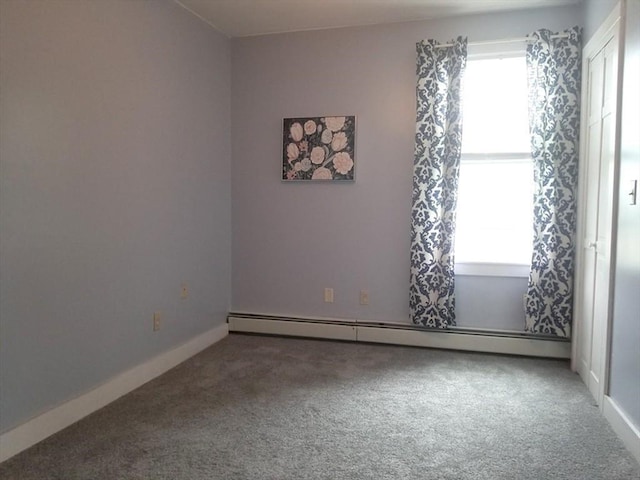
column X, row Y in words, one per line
column 492, row 269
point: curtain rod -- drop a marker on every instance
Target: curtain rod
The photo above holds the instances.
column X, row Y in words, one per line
column 506, row 40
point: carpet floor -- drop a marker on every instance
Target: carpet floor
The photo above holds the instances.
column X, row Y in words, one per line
column 256, row 407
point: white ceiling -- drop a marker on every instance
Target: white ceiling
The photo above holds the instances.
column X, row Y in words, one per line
column 241, row 18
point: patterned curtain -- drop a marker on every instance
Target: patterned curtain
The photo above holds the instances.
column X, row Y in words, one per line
column 435, row 181
column 554, row 121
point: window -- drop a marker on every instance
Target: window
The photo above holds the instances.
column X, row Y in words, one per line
column 494, row 227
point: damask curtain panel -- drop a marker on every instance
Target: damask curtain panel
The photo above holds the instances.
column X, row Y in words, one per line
column 435, row 181
column 553, row 64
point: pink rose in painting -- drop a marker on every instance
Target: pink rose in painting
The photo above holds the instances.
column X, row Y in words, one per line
column 339, row 141
column 310, row 127
column 322, row 174
column 343, row 163
column 334, row 123
column 326, row 136
column 297, row 166
column 296, row 132
column 317, row 155
column 292, row 152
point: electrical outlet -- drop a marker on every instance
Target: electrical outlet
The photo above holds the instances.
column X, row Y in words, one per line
column 184, row 291
column 156, row 321
column 328, row 295
column 364, row 297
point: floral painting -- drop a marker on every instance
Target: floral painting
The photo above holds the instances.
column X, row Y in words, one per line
column 318, row 148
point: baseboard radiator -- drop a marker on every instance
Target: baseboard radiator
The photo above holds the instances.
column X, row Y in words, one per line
column 400, row 334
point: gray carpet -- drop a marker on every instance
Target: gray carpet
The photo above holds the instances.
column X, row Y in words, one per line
column 253, row 407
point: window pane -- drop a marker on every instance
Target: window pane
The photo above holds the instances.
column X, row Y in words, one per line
column 495, row 212
column 495, row 115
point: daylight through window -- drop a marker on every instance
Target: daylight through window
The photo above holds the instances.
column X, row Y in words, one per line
column 495, row 192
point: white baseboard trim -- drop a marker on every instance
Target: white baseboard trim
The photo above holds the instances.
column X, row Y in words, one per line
column 461, row 341
column 293, row 328
column 396, row 334
column 38, row 428
column 622, row 425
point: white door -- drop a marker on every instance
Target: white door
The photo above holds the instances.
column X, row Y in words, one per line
column 594, row 299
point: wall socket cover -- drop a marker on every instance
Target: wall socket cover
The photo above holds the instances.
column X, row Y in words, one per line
column 364, row 297
column 328, row 295
column 156, row 321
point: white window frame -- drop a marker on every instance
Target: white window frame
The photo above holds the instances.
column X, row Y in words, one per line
column 485, row 51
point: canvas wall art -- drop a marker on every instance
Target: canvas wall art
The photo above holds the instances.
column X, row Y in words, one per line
column 319, row 149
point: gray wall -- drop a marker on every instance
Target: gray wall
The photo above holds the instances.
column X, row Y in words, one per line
column 115, row 188
column 292, row 240
column 625, row 347
column 595, row 12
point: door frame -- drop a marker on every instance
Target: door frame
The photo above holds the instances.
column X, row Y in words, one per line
column 612, row 29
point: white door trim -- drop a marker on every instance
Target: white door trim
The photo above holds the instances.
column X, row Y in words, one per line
column 612, row 29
